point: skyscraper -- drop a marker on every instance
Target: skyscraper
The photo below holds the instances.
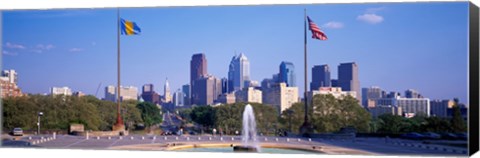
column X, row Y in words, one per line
column 198, row 69
column 348, row 78
column 149, row 94
column 370, row 95
column 207, row 90
column 412, row 93
column 238, row 72
column 224, row 85
column 287, row 73
column 167, row 96
column 186, row 93
column 320, row 77
column 178, row 98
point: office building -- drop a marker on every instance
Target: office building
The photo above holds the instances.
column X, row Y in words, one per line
column 410, row 106
column 238, row 72
column 249, row 95
column 198, row 69
column 439, row 108
column 287, row 74
column 167, row 96
column 320, row 77
column 348, row 78
column 226, row 98
column 149, row 94
column 280, row 96
column 207, row 90
column 126, row 93
column 370, row 95
column 385, row 109
column 8, row 82
column 178, row 98
column 411, row 93
column 186, row 93
column 61, row 91
column 337, row 92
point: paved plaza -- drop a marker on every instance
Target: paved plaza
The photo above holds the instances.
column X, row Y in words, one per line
column 373, row 146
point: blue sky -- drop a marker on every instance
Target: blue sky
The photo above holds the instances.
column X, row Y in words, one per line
column 397, row 46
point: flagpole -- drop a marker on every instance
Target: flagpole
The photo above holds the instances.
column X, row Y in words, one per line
column 119, row 125
column 306, row 127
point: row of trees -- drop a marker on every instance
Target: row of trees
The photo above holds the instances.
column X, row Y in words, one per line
column 327, row 114
column 393, row 124
column 228, row 118
column 61, row 111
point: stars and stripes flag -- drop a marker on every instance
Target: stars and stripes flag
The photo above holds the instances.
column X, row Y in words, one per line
column 316, row 32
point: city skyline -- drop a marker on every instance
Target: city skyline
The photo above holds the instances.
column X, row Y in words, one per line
column 422, row 53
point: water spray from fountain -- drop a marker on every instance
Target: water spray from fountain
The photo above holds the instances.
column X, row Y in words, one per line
column 249, row 131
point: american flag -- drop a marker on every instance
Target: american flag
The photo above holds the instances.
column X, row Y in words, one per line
column 316, row 32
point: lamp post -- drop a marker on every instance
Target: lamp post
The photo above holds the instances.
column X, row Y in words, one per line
column 40, row 114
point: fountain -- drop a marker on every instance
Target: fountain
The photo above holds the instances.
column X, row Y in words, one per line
column 249, row 132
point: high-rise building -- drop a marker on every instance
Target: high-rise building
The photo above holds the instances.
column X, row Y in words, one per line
column 337, row 92
column 251, row 83
column 320, row 77
column 412, row 93
column 334, row 83
column 11, row 76
column 249, row 95
column 238, row 72
column 61, row 91
column 8, row 82
column 385, row 109
column 226, row 98
column 370, row 95
column 149, row 94
column 348, row 78
column 126, row 93
column 178, row 98
column 167, row 96
column 280, row 96
column 439, row 108
column 207, row 90
column 186, row 93
column 410, row 106
column 198, row 69
column 287, row 73
column 224, row 85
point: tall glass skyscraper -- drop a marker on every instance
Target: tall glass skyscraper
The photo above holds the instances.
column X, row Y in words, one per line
column 320, row 77
column 238, row 72
column 348, row 78
column 287, row 73
column 198, row 69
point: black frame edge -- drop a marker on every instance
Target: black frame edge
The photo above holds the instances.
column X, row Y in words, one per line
column 473, row 113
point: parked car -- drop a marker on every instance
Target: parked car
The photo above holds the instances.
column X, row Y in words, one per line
column 17, row 132
column 431, row 135
column 413, row 135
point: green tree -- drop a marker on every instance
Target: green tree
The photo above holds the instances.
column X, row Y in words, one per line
column 150, row 113
column 458, row 124
column 203, row 115
column 391, row 123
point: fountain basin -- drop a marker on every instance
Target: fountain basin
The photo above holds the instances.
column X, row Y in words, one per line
column 241, row 148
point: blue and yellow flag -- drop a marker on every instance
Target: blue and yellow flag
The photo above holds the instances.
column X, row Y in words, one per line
column 129, row 27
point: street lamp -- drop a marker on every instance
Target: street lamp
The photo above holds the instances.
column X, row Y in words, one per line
column 40, row 114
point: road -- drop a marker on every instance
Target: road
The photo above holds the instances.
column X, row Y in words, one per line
column 378, row 146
